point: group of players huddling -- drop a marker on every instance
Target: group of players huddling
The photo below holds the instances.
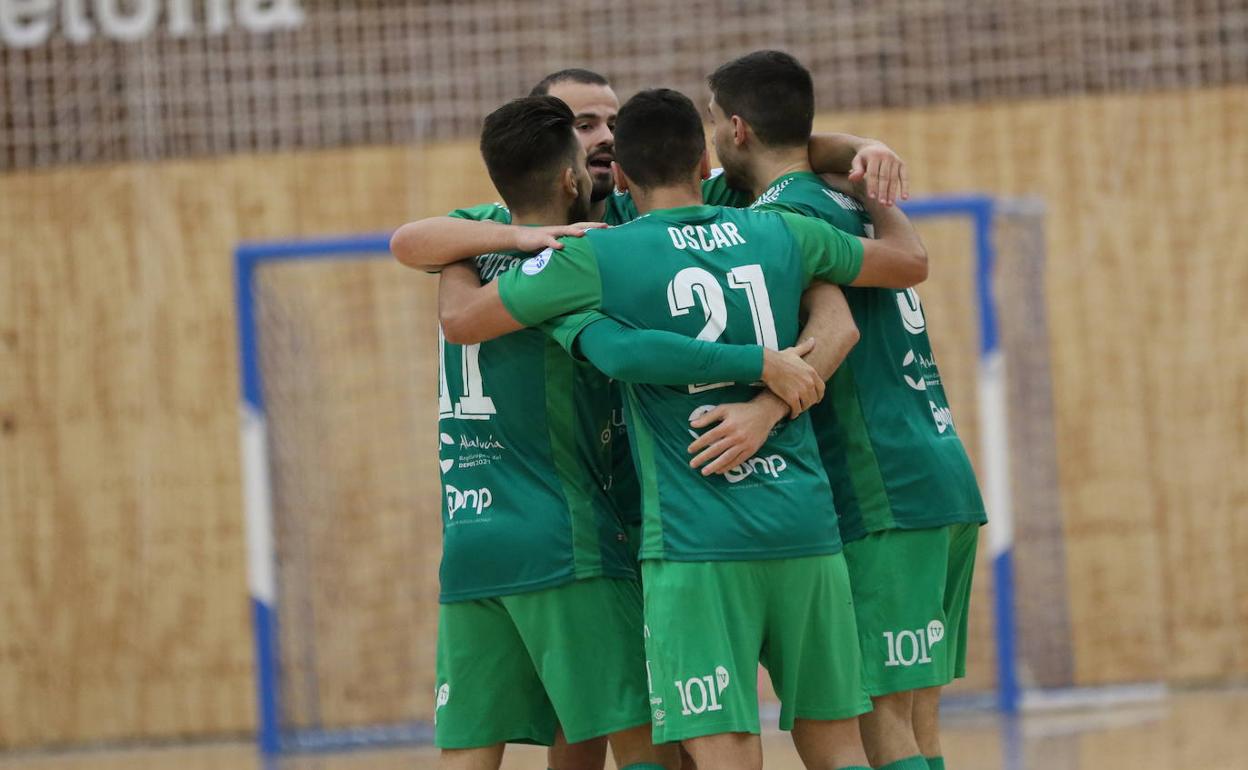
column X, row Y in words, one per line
column 628, row 410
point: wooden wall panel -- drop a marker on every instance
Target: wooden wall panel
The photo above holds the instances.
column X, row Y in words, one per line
column 1149, row 359
column 121, row 555
column 124, row 578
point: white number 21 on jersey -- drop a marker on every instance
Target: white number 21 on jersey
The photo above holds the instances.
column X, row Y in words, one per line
column 694, row 285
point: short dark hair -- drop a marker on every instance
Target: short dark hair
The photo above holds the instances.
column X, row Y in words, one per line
column 525, row 143
column 659, row 137
column 574, row 74
column 772, row 91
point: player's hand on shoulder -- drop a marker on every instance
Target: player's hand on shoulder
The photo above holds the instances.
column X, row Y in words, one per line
column 882, row 173
column 532, row 239
column 741, row 431
column 841, row 183
column 796, row 382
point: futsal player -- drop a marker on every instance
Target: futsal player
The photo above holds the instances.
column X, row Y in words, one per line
column 908, row 503
column 735, row 568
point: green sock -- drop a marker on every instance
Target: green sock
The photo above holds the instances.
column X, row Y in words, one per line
column 917, row 762
column 643, row 766
column 935, row 763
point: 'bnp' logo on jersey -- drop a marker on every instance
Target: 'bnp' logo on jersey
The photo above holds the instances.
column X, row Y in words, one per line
column 475, row 500
column 700, row 694
column 770, row 466
column 537, row 264
column 942, row 415
column 913, row 648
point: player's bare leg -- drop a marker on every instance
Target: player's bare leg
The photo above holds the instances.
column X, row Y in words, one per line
column 487, row 758
column 586, row 755
column 686, row 760
column 927, row 721
column 888, row 730
column 635, row 747
column 829, row 744
column 729, row 751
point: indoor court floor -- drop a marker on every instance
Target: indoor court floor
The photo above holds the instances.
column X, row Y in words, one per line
column 1204, row 730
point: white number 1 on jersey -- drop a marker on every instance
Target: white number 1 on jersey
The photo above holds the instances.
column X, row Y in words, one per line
column 694, row 285
column 474, row 404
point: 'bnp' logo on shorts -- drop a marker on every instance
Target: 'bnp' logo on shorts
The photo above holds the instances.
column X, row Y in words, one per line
column 701, row 694
column 913, row 648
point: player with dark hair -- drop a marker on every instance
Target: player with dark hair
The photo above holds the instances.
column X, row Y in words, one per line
column 539, row 598
column 595, row 106
column 905, row 491
column 737, row 567
column 538, row 588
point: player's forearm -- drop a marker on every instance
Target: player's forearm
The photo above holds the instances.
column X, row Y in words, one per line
column 438, row 241
column 896, row 258
column 469, row 312
column 775, row 407
column 665, row 358
column 831, row 324
column 834, row 153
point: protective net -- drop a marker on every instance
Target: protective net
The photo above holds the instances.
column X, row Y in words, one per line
column 347, row 350
column 348, row 356
column 104, row 82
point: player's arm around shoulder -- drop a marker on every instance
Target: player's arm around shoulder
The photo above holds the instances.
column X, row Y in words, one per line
column 431, row 243
column 881, row 170
column 554, row 283
column 469, row 312
column 896, row 257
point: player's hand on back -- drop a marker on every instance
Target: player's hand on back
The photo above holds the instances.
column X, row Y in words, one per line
column 882, row 173
column 532, row 239
column 792, row 379
column 742, row 430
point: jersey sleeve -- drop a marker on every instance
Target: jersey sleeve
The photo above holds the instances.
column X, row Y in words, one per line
column 486, row 212
column 827, row 253
column 553, row 283
column 659, row 357
column 565, row 329
column 716, row 192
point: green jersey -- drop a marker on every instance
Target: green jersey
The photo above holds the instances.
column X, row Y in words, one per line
column 525, row 456
column 620, row 209
column 716, row 274
column 884, row 427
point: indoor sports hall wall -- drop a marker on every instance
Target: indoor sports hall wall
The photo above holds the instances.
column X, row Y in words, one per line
column 122, row 557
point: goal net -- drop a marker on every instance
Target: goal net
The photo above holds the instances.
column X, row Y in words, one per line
column 339, row 363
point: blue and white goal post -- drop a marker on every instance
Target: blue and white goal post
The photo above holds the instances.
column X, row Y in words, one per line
column 275, row 733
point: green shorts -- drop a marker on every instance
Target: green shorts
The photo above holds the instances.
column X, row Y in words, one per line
column 709, row 624
column 912, row 590
column 513, row 668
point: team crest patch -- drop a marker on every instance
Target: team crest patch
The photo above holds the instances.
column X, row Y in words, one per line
column 537, row 264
